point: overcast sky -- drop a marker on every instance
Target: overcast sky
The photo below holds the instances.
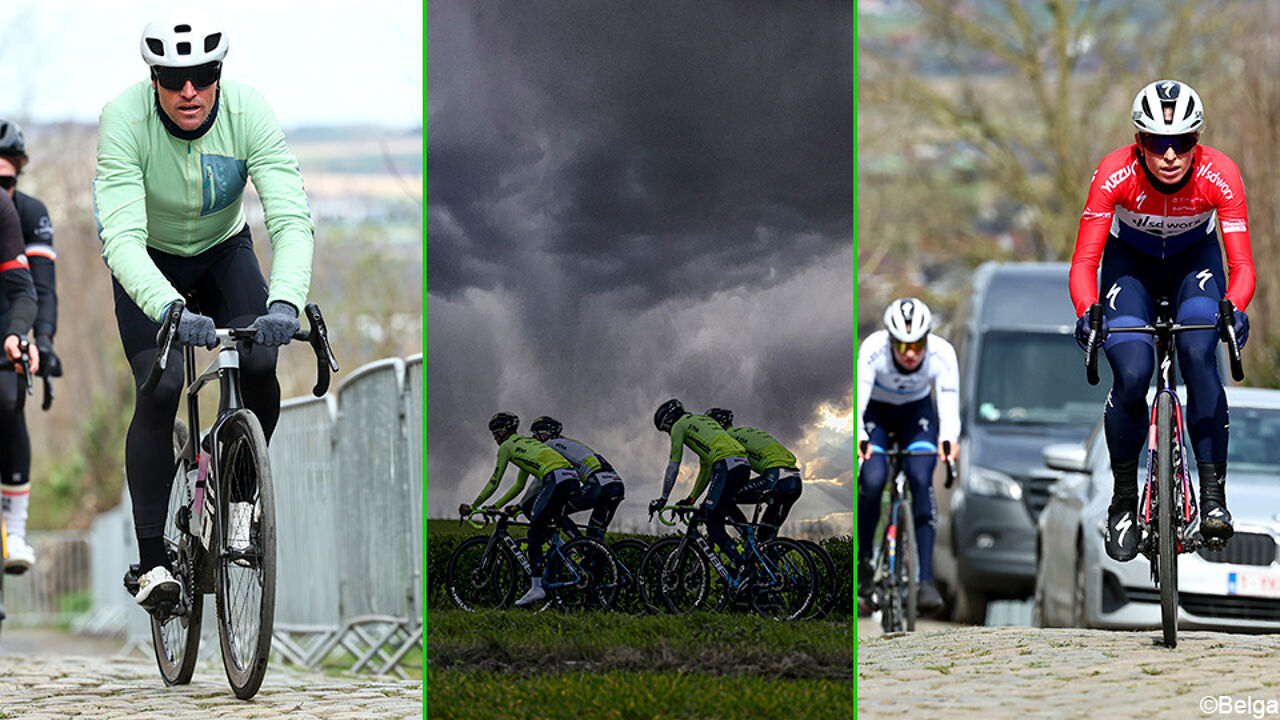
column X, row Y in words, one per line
column 633, row 201
column 316, row 61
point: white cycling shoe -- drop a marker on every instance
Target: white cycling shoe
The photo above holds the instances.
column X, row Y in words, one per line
column 157, row 586
column 533, row 596
column 21, row 556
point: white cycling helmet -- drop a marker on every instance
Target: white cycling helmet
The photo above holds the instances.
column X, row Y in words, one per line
column 183, row 39
column 1154, row 99
column 907, row 319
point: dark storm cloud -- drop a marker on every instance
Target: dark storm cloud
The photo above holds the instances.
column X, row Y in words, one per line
column 628, row 202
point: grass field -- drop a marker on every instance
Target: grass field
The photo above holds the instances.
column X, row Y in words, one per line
column 520, row 664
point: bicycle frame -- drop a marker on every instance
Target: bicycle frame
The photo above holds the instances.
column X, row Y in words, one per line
column 501, row 535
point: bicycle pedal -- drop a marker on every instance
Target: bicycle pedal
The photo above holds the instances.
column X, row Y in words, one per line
column 1216, row 544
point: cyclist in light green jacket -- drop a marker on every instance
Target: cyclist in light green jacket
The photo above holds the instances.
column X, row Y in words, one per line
column 174, row 155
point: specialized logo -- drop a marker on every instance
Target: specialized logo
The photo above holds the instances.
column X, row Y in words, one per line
column 1141, row 197
column 1123, row 527
column 1168, row 90
column 1204, row 276
column 924, row 424
column 1112, row 294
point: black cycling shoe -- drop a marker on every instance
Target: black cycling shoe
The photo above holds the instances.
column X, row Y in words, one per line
column 865, row 574
column 1215, row 520
column 1122, row 529
column 929, row 600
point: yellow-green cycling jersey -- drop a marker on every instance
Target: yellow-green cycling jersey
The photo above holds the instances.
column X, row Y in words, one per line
column 532, row 457
column 763, row 452
column 705, row 437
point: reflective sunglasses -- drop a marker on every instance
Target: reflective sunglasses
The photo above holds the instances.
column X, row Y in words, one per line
column 174, row 78
column 8, row 181
column 1160, row 144
column 902, row 347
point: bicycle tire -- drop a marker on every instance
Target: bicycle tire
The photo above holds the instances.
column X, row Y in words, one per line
column 686, row 579
column 649, row 575
column 888, row 597
column 245, row 639
column 176, row 641
column 629, row 552
column 826, row 584
column 582, row 575
column 908, row 565
column 1165, row 527
column 786, row 582
column 474, row 588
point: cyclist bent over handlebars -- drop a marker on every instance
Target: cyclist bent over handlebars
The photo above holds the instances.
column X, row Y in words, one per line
column 174, row 154
column 899, row 367
column 1154, row 207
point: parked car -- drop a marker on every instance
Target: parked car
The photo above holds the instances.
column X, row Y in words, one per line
column 1078, row 585
column 1022, row 387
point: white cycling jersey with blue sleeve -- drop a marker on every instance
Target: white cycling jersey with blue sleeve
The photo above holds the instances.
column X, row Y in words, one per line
column 880, row 379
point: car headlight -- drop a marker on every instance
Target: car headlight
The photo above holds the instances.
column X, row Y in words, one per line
column 993, row 483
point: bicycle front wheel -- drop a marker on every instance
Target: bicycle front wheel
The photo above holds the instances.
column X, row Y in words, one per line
column 685, row 581
column 629, row 552
column 825, row 578
column 908, row 564
column 246, row 574
column 476, row 582
column 177, row 639
column 1166, row 529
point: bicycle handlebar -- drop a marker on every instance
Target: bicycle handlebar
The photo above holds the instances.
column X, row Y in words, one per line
column 684, row 510
column 1226, row 318
column 946, row 450
column 317, row 336
column 489, row 514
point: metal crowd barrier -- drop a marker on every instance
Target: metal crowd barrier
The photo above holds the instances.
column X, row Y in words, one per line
column 347, row 470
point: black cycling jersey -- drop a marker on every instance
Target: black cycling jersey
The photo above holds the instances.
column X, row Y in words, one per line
column 37, row 235
column 15, row 274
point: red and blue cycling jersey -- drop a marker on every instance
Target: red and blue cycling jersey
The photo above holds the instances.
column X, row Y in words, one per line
column 1124, row 204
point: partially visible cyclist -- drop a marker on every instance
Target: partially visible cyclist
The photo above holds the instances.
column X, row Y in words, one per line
column 554, row 483
column 776, row 469
column 902, row 370
column 723, row 469
column 1155, row 207
column 602, row 488
column 15, row 443
column 174, row 155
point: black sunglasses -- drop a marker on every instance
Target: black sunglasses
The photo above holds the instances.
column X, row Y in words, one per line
column 1160, row 144
column 8, row 181
column 174, row 78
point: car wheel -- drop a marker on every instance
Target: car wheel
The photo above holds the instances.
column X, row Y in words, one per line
column 970, row 606
column 1039, row 616
column 1079, row 591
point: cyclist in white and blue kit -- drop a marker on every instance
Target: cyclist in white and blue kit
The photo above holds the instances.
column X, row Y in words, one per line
column 602, row 489
column 899, row 368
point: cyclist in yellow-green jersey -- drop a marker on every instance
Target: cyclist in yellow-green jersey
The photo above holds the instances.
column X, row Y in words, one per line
column 776, row 470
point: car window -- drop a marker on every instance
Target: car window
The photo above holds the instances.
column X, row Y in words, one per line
column 1255, row 440
column 1026, row 377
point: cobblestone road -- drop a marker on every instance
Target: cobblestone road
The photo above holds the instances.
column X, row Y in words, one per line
column 58, row 687
column 1016, row 672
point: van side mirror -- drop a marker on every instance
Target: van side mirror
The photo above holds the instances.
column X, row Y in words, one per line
column 1068, row 457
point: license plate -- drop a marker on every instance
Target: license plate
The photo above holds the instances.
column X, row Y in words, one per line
column 1254, row 583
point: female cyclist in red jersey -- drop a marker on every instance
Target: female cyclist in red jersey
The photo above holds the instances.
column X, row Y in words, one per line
column 1155, row 207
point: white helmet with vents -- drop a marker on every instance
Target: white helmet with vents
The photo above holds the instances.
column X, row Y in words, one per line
column 1154, row 100
column 183, row 38
column 907, row 319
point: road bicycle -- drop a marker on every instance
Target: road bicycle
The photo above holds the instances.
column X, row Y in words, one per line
column 1168, row 520
column 895, row 580
column 578, row 574
column 222, row 479
column 777, row 577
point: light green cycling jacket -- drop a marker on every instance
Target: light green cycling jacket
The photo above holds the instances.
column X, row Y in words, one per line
column 182, row 197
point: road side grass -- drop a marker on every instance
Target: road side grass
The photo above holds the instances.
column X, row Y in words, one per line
column 624, row 695
column 718, row 643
